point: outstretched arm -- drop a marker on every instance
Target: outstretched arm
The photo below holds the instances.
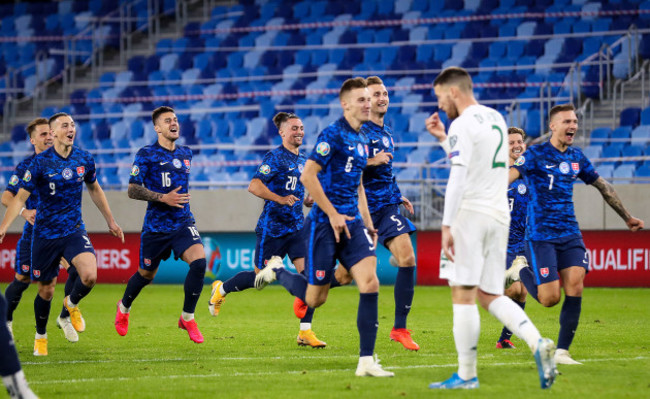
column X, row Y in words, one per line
column 259, row 189
column 14, row 208
column 99, row 198
column 610, row 196
column 172, row 198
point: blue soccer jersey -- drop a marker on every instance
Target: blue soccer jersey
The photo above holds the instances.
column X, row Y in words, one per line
column 550, row 175
column 518, row 197
column 14, row 186
column 161, row 171
column 342, row 154
column 379, row 181
column 58, row 183
column 280, row 172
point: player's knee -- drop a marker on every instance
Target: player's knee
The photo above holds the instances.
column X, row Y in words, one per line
column 549, row 300
column 197, row 268
column 148, row 274
column 344, row 279
column 406, row 260
column 369, row 284
column 22, row 279
column 46, row 292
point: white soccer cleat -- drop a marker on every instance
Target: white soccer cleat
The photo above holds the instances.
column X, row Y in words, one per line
column 369, row 367
column 68, row 330
column 10, row 327
column 562, row 356
column 267, row 275
column 512, row 274
column 544, row 357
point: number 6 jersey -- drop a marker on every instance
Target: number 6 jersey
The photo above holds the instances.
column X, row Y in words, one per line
column 161, row 171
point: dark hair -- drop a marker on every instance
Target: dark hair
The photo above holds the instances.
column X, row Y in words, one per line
column 517, row 130
column 158, row 111
column 351, row 84
column 31, row 127
column 55, row 117
column 282, row 117
column 454, row 76
column 374, row 80
column 560, row 108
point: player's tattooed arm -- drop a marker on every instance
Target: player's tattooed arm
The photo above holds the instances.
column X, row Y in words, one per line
column 609, row 195
column 142, row 193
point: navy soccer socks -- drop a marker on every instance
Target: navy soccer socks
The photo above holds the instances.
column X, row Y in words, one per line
column 73, row 276
column 240, row 282
column 367, row 323
column 14, row 293
column 133, row 287
column 194, row 284
column 295, row 283
column 41, row 314
column 404, row 289
column 569, row 318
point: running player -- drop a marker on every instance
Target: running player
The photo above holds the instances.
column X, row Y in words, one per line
column 475, row 228
column 335, row 227
column 160, row 176
column 56, row 176
column 279, row 228
column 384, row 198
column 10, row 370
column 41, row 137
column 554, row 242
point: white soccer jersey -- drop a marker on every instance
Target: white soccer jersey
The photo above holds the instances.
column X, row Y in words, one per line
column 479, row 141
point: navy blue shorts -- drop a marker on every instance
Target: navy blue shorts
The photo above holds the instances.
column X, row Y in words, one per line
column 24, row 256
column 292, row 244
column 390, row 223
column 323, row 250
column 47, row 253
column 156, row 247
column 546, row 258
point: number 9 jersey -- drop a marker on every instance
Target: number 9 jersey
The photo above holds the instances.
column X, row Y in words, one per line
column 161, row 171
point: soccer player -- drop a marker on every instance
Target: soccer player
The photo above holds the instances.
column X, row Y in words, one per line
column 41, row 138
column 384, row 198
column 56, row 176
column 160, row 176
column 554, row 241
column 10, row 370
column 279, row 228
column 335, row 226
column 518, row 197
column 475, row 228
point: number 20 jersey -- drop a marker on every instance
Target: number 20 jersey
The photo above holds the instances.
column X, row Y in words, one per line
column 161, row 171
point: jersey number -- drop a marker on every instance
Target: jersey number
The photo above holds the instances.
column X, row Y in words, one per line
column 166, row 180
column 496, row 164
column 291, row 183
column 194, row 231
column 53, row 188
column 372, row 243
column 550, row 184
column 348, row 165
column 511, row 203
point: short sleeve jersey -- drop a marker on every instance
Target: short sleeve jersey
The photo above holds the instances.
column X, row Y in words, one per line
column 379, row 181
column 342, row 154
column 518, row 196
column 478, row 142
column 550, row 175
column 14, row 185
column 58, row 183
column 280, row 172
column 161, row 171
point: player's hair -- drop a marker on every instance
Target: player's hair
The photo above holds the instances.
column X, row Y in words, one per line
column 374, row 80
column 454, row 76
column 282, row 117
column 158, row 111
column 560, row 108
column 31, row 127
column 55, row 117
column 351, row 84
column 517, row 130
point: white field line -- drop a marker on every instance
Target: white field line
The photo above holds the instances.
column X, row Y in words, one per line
column 248, row 374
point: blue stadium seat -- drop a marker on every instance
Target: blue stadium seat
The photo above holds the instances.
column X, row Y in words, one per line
column 630, row 117
column 600, row 134
column 623, row 173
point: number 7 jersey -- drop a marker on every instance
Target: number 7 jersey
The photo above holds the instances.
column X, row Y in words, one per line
column 161, row 171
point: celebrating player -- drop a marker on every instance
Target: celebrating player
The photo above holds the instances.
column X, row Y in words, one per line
column 475, row 228
column 279, row 228
column 56, row 176
column 160, row 176
column 555, row 243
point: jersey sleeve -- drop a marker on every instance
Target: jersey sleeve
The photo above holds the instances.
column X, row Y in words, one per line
column 138, row 169
column 322, row 153
column 91, row 174
column 461, row 146
column 587, row 172
column 267, row 169
column 14, row 181
column 28, row 182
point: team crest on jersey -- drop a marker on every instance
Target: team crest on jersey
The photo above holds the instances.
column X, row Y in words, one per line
column 520, row 161
column 187, row 163
column 135, row 170
column 575, row 166
column 177, row 164
column 13, row 181
column 544, row 271
column 25, row 268
column 81, row 170
column 452, row 141
column 385, row 141
column 27, row 176
column 564, row 168
column 320, row 274
column 360, row 149
column 521, row 189
column 37, row 273
column 67, row 173
column 265, row 169
column 147, row 261
column 323, row 149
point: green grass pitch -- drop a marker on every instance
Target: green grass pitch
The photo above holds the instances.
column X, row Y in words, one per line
column 250, row 349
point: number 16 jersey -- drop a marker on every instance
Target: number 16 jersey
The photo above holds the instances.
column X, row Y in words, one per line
column 161, row 171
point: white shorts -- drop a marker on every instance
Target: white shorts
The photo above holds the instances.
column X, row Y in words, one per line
column 480, row 245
